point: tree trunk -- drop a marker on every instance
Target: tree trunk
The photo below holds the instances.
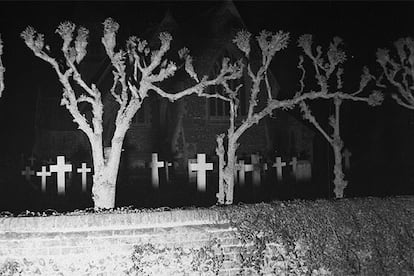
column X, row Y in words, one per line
column 106, row 166
column 226, row 170
column 337, row 144
column 339, row 182
column 221, row 164
column 104, row 187
column 229, row 172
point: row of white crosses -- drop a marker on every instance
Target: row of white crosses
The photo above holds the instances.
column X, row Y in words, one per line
column 61, row 168
column 197, row 170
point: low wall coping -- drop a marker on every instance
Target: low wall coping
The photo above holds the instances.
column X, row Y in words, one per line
column 108, row 221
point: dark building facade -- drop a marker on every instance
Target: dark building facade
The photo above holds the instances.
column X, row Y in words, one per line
column 180, row 130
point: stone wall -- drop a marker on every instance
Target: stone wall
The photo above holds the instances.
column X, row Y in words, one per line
column 104, row 243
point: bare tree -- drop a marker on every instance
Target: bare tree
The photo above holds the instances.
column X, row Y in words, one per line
column 328, row 73
column 2, row 69
column 260, row 107
column 148, row 69
column 400, row 72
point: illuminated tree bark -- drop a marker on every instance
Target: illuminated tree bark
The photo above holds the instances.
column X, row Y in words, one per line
column 328, row 69
column 399, row 72
column 227, row 144
column 149, row 68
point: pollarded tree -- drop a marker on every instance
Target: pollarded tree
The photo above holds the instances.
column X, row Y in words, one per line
column 328, row 73
column 2, row 70
column 400, row 72
column 261, row 106
column 148, row 69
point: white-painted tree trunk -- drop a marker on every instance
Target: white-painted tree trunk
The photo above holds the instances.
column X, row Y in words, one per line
column 226, row 169
column 337, row 145
column 339, row 182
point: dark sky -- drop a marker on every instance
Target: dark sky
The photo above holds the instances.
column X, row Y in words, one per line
column 364, row 26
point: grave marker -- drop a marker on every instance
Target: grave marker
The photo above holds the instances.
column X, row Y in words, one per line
column 27, row 173
column 201, row 167
column 167, row 172
column 60, row 168
column 294, row 164
column 304, row 170
column 84, row 170
column 279, row 165
column 43, row 174
column 155, row 164
column 255, row 168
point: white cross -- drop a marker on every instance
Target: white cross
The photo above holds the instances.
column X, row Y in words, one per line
column 279, row 165
column 347, row 157
column 155, row 164
column 27, row 173
column 43, row 174
column 255, row 168
column 60, row 169
column 167, row 173
column 83, row 170
column 201, row 167
column 294, row 164
column 32, row 159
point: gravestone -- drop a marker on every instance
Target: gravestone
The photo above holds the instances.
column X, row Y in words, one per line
column 255, row 168
column 167, row 165
column 60, row 169
column 43, row 174
column 303, row 171
column 279, row 168
column 154, row 165
column 27, row 173
column 83, row 171
column 201, row 167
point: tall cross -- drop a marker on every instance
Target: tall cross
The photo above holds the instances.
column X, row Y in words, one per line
column 155, row 164
column 60, row 168
column 27, row 172
column 347, row 157
column 83, row 170
column 294, row 164
column 279, row 165
column 201, row 167
column 255, row 168
column 43, row 174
